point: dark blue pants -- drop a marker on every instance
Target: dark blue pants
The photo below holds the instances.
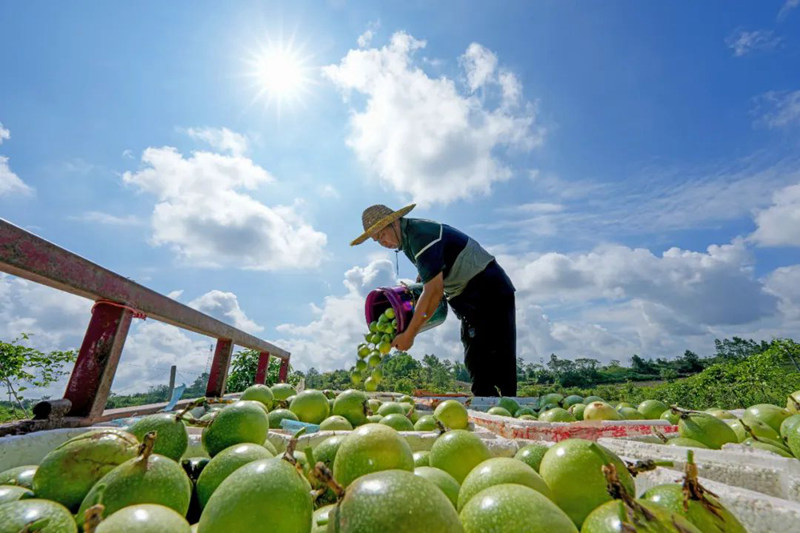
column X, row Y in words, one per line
column 487, row 311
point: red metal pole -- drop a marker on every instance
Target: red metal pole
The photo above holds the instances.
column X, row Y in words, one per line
column 219, row 368
column 90, row 382
column 263, row 367
column 283, row 374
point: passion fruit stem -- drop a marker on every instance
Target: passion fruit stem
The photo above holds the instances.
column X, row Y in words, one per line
column 191, row 405
column 684, row 413
column 749, row 430
column 618, row 491
column 693, row 490
column 646, row 465
column 324, row 474
column 36, row 526
column 309, row 455
column 288, row 455
column 795, row 402
column 659, row 434
column 146, row 447
column 92, row 517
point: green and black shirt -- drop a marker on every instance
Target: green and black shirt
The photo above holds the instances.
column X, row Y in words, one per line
column 434, row 247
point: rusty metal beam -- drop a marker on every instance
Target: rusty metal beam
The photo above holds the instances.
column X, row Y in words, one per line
column 91, row 378
column 283, row 373
column 33, row 258
column 263, row 368
column 219, row 369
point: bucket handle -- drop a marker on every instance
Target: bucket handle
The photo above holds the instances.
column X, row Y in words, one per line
column 410, row 293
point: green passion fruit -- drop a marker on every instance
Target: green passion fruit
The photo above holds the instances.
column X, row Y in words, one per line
column 457, row 452
column 499, row 411
column 351, row 404
column 310, row 406
column 705, row 428
column 672, row 497
column 531, row 455
column 224, row 464
column 264, row 495
column 396, row 501
column 148, row 478
column 242, row 421
column 428, row 423
column 20, row 475
column 398, row 422
column 371, row 448
column 452, row 414
column 259, row 393
column 282, row 391
column 600, row 411
column 144, row 518
column 172, row 438
column 36, row 515
column 512, row 508
column 12, row 493
column 572, row 470
column 277, row 415
column 336, row 423
column 422, row 458
column 616, row 517
column 441, row 479
column 68, row 472
column 497, row 471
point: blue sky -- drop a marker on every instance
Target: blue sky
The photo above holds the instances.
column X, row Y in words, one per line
column 634, row 166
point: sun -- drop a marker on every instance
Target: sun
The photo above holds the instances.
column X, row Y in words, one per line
column 280, row 73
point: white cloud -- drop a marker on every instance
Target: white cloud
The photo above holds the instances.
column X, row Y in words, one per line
column 330, row 340
column 654, row 200
column 224, row 306
column 787, row 7
column 10, row 182
column 109, row 219
column 151, row 348
column 777, row 109
column 221, row 139
column 746, row 42
column 479, row 64
column 365, row 38
column 419, row 135
column 784, row 283
column 328, row 191
column 56, row 320
column 712, row 288
column 779, row 224
column 609, row 303
column 202, row 215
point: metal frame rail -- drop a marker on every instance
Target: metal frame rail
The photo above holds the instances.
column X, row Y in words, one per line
column 117, row 301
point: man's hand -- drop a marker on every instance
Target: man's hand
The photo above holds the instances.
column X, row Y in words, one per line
column 403, row 341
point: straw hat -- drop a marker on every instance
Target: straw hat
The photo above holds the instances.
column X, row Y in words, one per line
column 377, row 217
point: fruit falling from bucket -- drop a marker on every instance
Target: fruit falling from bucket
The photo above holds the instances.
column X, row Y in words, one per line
column 378, row 343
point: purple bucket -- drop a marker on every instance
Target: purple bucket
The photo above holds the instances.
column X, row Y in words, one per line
column 402, row 299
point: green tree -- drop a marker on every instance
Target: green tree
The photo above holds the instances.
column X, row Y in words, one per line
column 22, row 367
column 243, row 369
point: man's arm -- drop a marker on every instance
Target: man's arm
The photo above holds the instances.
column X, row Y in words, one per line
column 432, row 293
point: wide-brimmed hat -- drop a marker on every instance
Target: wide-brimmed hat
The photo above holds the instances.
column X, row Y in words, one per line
column 377, row 217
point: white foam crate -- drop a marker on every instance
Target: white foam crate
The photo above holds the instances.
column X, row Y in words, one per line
column 734, row 464
column 758, row 513
column 514, row 428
